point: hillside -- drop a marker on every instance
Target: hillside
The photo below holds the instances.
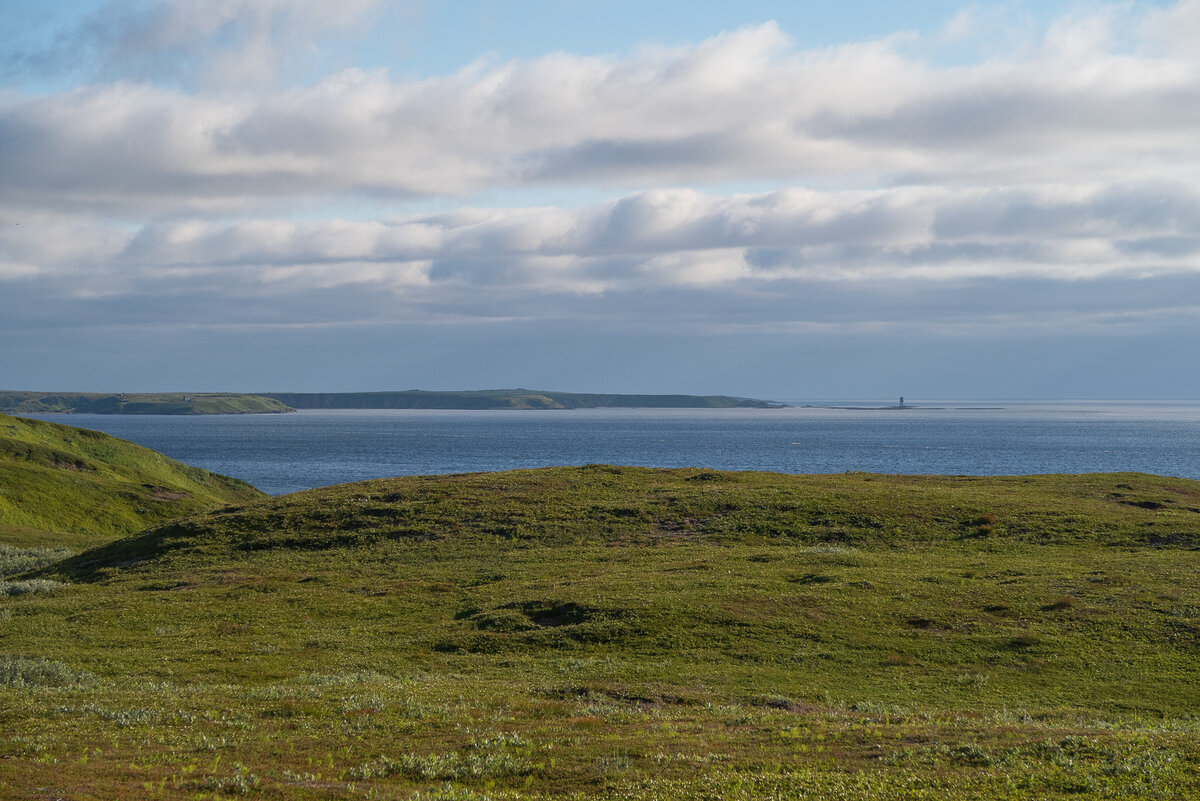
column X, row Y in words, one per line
column 76, row 488
column 138, row 403
column 626, row 633
column 600, row 504
column 505, row 399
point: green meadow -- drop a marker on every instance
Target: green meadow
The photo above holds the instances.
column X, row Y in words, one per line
column 74, row 488
column 619, row 633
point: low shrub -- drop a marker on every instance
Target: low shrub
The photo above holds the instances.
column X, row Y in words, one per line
column 21, row 560
column 20, row 671
column 29, row 586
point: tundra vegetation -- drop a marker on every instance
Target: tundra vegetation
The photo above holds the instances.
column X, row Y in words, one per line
column 622, row 633
column 65, row 487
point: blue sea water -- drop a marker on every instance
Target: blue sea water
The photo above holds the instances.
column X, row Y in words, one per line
column 285, row 453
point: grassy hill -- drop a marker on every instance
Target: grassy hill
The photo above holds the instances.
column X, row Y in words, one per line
column 139, row 403
column 505, row 399
column 625, row 633
column 76, row 488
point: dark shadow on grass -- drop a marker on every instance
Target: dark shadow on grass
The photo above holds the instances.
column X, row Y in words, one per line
column 97, row 564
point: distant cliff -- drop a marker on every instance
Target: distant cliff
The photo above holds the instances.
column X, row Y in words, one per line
column 506, row 399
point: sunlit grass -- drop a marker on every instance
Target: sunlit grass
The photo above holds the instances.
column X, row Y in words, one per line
column 624, row 633
column 64, row 487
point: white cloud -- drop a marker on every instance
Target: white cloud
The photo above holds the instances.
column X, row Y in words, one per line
column 743, row 105
column 10, row 270
column 1177, row 28
column 394, row 277
column 647, row 242
column 697, row 268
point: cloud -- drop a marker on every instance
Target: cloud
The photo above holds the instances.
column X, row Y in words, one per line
column 10, row 270
column 1083, row 105
column 1176, row 27
column 890, row 228
column 1049, row 188
column 944, row 256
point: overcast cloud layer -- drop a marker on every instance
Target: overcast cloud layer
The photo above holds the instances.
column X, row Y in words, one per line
column 1049, row 190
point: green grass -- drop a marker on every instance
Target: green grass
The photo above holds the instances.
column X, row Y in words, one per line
column 624, row 633
column 628, row 505
column 74, row 488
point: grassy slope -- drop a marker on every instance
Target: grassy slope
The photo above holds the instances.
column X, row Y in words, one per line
column 139, row 403
column 77, row 488
column 603, row 504
column 605, row 632
column 503, row 399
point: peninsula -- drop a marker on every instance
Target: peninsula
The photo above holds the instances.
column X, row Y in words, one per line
column 507, row 399
column 138, row 403
column 12, row 402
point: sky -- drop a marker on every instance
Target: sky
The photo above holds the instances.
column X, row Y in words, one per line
column 799, row 200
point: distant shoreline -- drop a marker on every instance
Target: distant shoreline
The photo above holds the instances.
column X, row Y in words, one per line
column 207, row 403
column 906, row 407
column 130, row 403
column 518, row 399
column 894, row 407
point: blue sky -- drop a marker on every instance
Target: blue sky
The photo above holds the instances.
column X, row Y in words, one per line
column 785, row 200
column 431, row 38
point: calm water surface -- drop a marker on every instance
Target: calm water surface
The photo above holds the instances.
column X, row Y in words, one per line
column 285, row 453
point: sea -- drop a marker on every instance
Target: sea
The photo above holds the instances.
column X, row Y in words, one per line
column 282, row 453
